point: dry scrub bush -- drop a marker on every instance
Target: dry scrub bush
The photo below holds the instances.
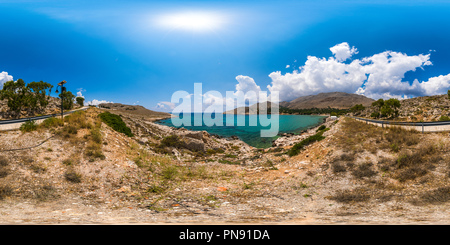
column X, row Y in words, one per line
column 72, row 176
column 351, row 196
column 437, row 196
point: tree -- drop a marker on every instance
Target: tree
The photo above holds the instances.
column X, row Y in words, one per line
column 358, row 107
column 375, row 114
column 38, row 97
column 80, row 101
column 393, row 104
column 448, row 93
column 379, row 103
column 386, row 108
column 17, row 94
column 67, row 99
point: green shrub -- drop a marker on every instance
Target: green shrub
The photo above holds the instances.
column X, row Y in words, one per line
column 116, row 123
column 321, row 128
column 444, row 118
column 28, row 126
column 299, row 146
column 52, row 122
column 375, row 114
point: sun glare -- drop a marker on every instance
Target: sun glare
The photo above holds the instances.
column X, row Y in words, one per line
column 191, row 21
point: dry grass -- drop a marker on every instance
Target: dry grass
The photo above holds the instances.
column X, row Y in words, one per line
column 351, row 196
column 437, row 196
column 358, row 137
column 33, row 177
column 403, row 158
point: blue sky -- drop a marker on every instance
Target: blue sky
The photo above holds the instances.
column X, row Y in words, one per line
column 136, row 51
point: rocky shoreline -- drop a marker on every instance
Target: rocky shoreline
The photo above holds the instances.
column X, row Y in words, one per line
column 284, row 139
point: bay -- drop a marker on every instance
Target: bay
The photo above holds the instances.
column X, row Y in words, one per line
column 251, row 134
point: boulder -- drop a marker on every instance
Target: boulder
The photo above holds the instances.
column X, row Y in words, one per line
column 194, row 144
column 195, row 135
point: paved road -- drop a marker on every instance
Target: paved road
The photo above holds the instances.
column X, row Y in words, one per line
column 419, row 126
column 6, row 125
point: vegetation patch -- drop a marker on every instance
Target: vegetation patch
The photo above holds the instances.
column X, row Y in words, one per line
column 299, row 146
column 116, row 123
column 51, row 122
column 172, row 141
column 5, row 191
column 363, row 170
column 28, row 126
column 72, row 176
column 435, row 197
column 351, row 196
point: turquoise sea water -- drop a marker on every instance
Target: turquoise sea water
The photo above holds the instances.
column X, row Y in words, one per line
column 251, row 134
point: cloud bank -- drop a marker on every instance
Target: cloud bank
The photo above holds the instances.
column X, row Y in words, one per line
column 165, row 105
column 96, row 102
column 378, row 76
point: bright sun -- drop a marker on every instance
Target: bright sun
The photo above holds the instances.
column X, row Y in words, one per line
column 191, row 21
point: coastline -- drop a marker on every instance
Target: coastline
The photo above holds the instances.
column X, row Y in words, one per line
column 283, row 135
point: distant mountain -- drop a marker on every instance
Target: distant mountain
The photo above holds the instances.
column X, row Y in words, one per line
column 337, row 100
column 134, row 110
column 253, row 109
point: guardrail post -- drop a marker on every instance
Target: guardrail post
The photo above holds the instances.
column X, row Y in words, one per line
column 422, row 127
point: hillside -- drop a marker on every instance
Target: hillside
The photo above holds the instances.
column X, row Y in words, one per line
column 336, row 100
column 253, row 109
column 426, row 108
column 136, row 110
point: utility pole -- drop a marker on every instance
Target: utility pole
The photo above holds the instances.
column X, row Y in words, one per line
column 63, row 89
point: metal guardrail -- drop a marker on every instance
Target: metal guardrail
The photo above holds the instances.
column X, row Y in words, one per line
column 414, row 124
column 21, row 120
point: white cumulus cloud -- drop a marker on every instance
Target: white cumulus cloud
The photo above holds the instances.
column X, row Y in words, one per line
column 165, row 105
column 80, row 92
column 378, row 76
column 343, row 51
column 98, row 102
column 318, row 75
column 4, row 77
column 246, row 83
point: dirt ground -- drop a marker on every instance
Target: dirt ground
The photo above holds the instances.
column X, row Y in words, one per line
column 265, row 188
